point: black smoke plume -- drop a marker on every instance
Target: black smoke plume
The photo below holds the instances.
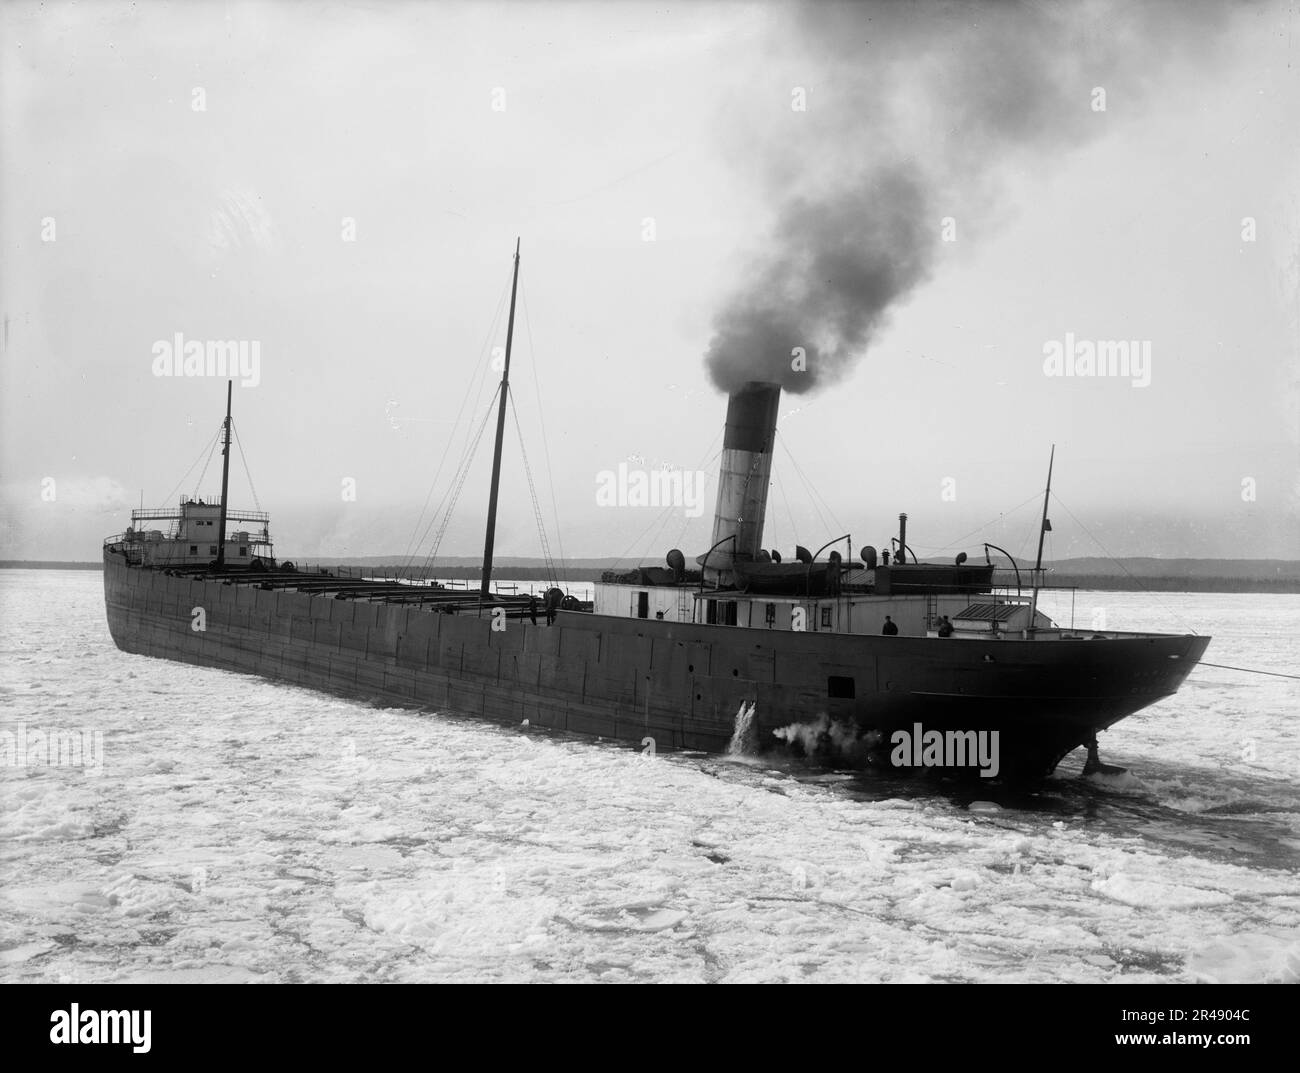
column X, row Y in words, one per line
column 915, row 112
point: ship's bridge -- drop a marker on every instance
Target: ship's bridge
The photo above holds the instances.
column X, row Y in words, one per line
column 189, row 535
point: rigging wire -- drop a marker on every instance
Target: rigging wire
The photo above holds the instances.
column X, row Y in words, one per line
column 686, row 522
column 532, row 491
column 461, row 471
column 663, row 523
column 1166, row 607
column 244, row 459
column 1001, row 517
column 413, row 543
column 417, row 537
column 1020, row 551
column 813, row 494
column 780, row 487
column 462, row 474
column 1248, row 670
column 662, row 517
column 205, row 450
column 199, row 483
column 457, row 482
column 541, row 417
column 1127, row 573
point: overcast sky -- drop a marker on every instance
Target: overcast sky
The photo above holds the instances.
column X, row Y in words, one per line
column 934, row 199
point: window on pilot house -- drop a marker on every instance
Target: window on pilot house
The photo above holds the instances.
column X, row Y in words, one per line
column 194, row 549
column 770, row 614
column 243, row 551
column 720, row 616
column 826, row 616
column 212, row 549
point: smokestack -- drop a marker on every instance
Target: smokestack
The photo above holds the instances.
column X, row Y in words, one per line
column 901, row 557
column 744, row 473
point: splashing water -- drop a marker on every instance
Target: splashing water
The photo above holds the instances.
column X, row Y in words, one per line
column 807, row 735
column 841, row 737
column 742, row 738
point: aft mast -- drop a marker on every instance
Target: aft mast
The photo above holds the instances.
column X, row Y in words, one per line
column 1044, row 528
column 490, row 539
column 225, row 483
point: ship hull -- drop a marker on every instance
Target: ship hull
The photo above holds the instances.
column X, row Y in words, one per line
column 679, row 684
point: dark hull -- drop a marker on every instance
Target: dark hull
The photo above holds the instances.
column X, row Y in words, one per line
column 632, row 679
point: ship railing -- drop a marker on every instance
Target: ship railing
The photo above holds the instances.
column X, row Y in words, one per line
column 123, row 539
column 1007, row 595
column 164, row 514
column 137, row 536
column 132, row 550
column 1030, row 600
column 1078, row 633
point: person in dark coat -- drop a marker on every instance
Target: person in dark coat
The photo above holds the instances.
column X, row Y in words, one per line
column 945, row 627
column 890, row 628
column 532, row 609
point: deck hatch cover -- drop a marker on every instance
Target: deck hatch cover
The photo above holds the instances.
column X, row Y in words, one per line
column 988, row 612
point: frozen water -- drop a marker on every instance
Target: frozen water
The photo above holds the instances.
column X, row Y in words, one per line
column 241, row 830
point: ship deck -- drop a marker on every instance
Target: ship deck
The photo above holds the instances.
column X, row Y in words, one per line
column 347, row 583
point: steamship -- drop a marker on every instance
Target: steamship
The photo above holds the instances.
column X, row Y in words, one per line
column 797, row 654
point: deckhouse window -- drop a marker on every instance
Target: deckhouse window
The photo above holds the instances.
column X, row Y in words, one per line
column 194, row 549
column 840, row 687
column 826, row 616
column 770, row 614
column 724, row 615
column 212, row 549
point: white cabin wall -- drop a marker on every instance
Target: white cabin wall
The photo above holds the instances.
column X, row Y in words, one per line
column 620, row 601
column 867, row 615
column 177, row 552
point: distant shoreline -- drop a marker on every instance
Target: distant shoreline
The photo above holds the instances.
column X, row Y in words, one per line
column 1286, row 577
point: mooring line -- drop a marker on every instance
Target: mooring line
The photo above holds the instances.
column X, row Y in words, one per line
column 1248, row 670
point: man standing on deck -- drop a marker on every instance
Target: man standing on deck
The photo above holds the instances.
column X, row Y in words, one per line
column 890, row 628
